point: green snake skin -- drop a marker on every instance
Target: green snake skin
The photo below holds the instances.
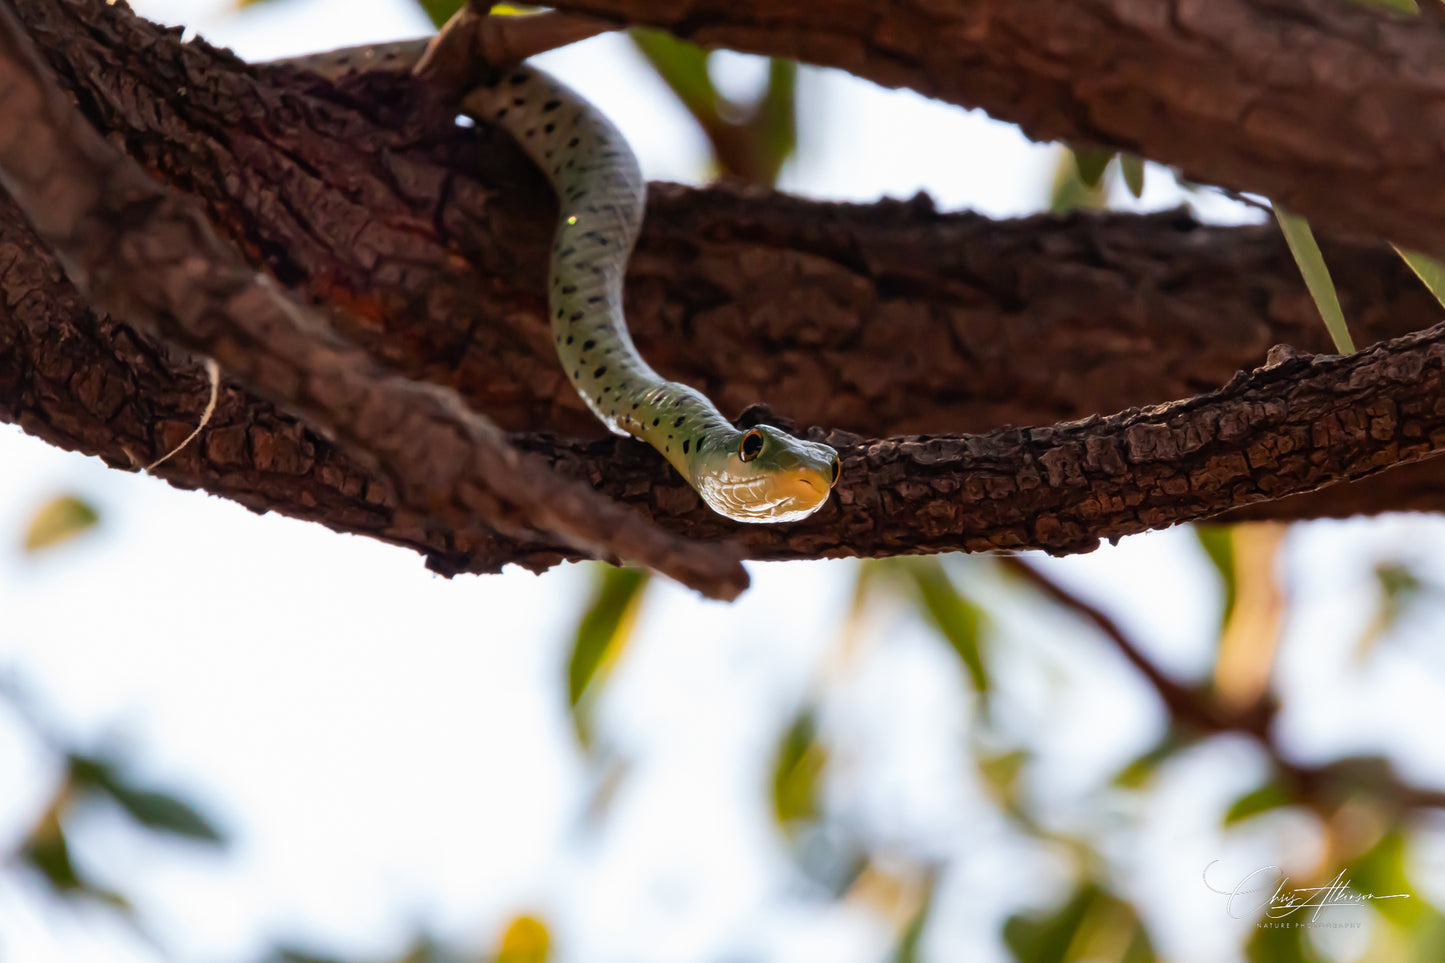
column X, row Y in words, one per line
column 761, row 474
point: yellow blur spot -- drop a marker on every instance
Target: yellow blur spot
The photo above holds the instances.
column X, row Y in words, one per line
column 525, row 941
column 572, row 219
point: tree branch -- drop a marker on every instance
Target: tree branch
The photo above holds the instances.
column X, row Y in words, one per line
column 882, row 319
column 1335, row 109
column 147, row 254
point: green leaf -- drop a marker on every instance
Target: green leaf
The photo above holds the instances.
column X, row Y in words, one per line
column 48, row 852
column 1070, row 192
column 59, row 520
column 1400, row 589
column 956, row 618
column 1137, row 774
column 605, row 627
column 1093, row 925
column 1218, row 544
column 1428, row 270
column 1381, row 872
column 797, row 771
column 155, row 810
column 1132, row 166
column 602, row 634
column 907, row 950
column 440, row 11
column 683, row 67
column 1090, row 163
column 1256, row 801
column 1316, row 275
column 1002, row 772
column 164, row 813
column 774, row 124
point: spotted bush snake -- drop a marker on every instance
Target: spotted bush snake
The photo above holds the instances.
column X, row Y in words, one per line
column 757, row 474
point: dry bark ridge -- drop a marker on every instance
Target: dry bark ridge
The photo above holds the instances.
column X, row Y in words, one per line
column 883, row 320
column 1334, row 108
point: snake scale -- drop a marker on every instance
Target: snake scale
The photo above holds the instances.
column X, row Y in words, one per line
column 760, row 474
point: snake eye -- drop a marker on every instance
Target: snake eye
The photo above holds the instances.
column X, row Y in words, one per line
column 836, row 469
column 751, row 445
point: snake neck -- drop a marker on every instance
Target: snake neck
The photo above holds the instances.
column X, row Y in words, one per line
column 600, row 194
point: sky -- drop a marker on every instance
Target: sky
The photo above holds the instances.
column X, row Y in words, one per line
column 391, row 751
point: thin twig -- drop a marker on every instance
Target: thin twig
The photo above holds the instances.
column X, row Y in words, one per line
column 1319, row 786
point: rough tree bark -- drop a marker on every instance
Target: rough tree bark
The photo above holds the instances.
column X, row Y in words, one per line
column 884, row 319
column 1334, row 108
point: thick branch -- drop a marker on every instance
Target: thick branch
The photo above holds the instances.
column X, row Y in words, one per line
column 147, row 254
column 1287, row 428
column 882, row 320
column 1336, row 109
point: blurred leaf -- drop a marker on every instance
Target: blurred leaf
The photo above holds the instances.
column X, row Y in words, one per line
column 1137, row 774
column 158, row 811
column 1002, row 772
column 774, row 124
column 1094, row 925
column 287, row 954
column 58, row 520
column 526, row 940
column 1070, row 192
column 48, row 852
column 1132, row 167
column 1256, row 801
column 958, row 619
column 440, row 11
column 1218, row 544
column 750, row 142
column 1046, row 938
column 797, row 771
column 1090, row 164
column 907, row 950
column 683, row 67
column 1316, row 275
column 602, row 634
column 1399, row 590
column 1381, row 872
column 1280, row 945
column 164, row 813
column 424, row 949
column 1428, row 270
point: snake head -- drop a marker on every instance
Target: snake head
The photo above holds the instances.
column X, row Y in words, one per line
column 764, row 474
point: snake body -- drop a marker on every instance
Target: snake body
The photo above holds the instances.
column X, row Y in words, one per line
column 761, row 474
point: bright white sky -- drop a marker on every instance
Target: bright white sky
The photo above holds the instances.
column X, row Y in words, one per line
column 391, row 751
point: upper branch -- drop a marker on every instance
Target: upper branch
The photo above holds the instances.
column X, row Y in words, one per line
column 1335, row 109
